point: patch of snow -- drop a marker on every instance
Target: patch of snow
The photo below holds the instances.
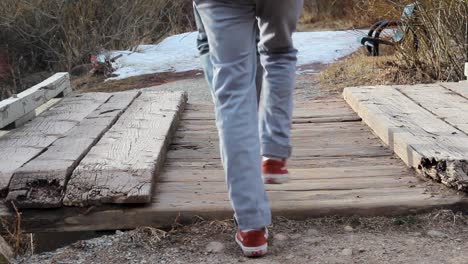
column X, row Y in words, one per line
column 178, row 53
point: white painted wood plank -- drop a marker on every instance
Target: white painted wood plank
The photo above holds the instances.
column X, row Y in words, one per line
column 121, row 167
column 27, row 101
column 41, row 182
column 441, row 102
column 23, row 144
column 422, row 140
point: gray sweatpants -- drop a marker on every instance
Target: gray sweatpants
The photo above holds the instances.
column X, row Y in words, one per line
column 204, row 51
column 231, row 30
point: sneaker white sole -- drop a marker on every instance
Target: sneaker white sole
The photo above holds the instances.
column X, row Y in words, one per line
column 275, row 178
column 253, row 251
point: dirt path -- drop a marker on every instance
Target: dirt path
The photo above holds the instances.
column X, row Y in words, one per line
column 440, row 237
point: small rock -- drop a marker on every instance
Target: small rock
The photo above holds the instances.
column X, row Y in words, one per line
column 348, row 228
column 347, row 252
column 215, row 247
column 296, row 236
column 280, row 237
column 312, row 240
column 312, row 232
column 436, row 234
column 362, row 250
column 290, row 257
column 119, row 233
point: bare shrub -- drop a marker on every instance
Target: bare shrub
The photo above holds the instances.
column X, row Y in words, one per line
column 442, row 30
column 55, row 35
column 348, row 13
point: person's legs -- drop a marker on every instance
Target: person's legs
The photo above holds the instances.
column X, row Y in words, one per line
column 230, row 27
column 204, row 49
column 277, row 21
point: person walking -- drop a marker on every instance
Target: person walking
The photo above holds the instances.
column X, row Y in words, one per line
column 245, row 137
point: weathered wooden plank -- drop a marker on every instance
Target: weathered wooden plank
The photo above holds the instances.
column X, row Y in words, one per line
column 164, row 214
column 41, row 182
column 26, row 102
column 209, row 126
column 298, row 153
column 443, row 103
column 24, row 143
column 313, row 162
column 369, row 171
column 121, row 167
column 422, row 140
column 460, row 88
column 307, row 185
column 200, row 199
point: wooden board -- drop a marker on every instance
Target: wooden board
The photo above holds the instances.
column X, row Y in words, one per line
column 23, row 144
column 460, row 88
column 41, row 182
column 26, row 102
column 441, row 102
column 422, row 140
column 121, row 167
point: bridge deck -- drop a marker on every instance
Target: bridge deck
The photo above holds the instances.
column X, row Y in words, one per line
column 339, row 167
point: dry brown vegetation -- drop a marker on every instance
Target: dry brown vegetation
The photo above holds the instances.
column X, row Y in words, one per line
column 345, row 14
column 55, row 35
column 442, row 30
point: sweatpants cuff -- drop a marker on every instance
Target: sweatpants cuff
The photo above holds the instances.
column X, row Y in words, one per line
column 276, row 151
column 254, row 221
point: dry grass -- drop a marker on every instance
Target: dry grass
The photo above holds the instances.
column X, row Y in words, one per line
column 344, row 14
column 360, row 69
column 20, row 242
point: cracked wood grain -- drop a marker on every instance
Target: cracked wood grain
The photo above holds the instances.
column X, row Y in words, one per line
column 121, row 167
column 423, row 140
column 41, row 182
column 23, row 144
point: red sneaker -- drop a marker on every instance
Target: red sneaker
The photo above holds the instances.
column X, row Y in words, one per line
column 254, row 243
column 274, row 171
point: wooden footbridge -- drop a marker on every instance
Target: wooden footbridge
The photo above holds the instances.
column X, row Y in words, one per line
column 105, row 161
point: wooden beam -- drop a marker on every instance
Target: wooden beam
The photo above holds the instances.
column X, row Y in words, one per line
column 27, row 101
column 420, row 139
column 121, row 167
column 23, row 144
column 41, row 182
column 380, row 202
